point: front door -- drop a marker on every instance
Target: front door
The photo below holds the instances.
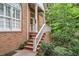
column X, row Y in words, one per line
column 33, row 23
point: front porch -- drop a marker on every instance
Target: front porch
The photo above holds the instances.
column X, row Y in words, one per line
column 36, row 31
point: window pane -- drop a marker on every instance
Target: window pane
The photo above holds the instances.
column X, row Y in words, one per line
column 17, row 14
column 17, row 23
column 13, row 12
column 8, row 11
column 13, row 23
column 1, row 22
column 1, row 9
column 8, row 23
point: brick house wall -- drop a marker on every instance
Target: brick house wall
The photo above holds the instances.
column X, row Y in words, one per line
column 47, row 37
column 40, row 21
column 10, row 41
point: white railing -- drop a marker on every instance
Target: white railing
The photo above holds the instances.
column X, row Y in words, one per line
column 38, row 38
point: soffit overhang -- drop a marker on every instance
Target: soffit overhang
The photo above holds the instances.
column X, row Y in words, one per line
column 40, row 7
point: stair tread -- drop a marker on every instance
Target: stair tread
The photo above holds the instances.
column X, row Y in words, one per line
column 32, row 34
column 38, row 48
column 28, row 46
column 30, row 39
column 32, row 43
column 29, row 42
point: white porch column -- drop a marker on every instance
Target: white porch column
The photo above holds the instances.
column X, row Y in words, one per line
column 44, row 17
column 36, row 16
column 27, row 23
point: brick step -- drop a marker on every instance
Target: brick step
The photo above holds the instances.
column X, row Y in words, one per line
column 32, row 37
column 32, row 33
column 31, row 47
column 31, row 43
column 31, row 40
column 28, row 49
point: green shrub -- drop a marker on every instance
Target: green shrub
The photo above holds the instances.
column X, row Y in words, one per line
column 75, row 46
column 61, row 51
column 50, row 49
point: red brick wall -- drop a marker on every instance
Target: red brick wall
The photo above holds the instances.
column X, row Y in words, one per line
column 47, row 37
column 10, row 41
column 40, row 21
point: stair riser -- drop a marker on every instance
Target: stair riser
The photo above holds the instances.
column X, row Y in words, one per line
column 32, row 45
column 28, row 48
column 32, row 37
column 33, row 34
column 31, row 42
column 31, row 49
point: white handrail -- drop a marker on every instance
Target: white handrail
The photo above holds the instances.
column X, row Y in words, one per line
column 38, row 38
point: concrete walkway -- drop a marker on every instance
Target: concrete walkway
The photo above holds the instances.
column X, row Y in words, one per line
column 25, row 53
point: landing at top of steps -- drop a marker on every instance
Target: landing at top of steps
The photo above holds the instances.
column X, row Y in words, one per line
column 25, row 53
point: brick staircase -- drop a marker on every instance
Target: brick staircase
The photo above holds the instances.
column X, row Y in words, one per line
column 28, row 49
column 29, row 45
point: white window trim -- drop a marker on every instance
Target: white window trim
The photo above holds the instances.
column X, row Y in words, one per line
column 13, row 29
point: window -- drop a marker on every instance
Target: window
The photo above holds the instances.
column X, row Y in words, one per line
column 8, row 23
column 10, row 17
column 13, row 23
column 8, row 10
column 17, row 23
column 1, row 9
column 1, row 23
column 14, row 13
column 17, row 14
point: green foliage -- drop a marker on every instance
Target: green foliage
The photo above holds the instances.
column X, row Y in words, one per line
column 51, row 49
column 64, row 22
column 48, row 49
column 75, row 46
column 62, row 51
